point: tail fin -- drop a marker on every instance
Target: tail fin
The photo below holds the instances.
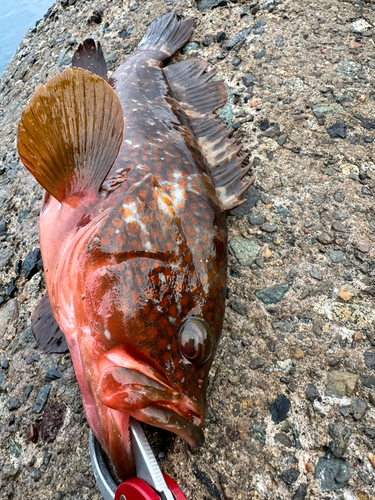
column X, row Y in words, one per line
column 167, row 34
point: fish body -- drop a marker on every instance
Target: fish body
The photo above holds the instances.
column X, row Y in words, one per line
column 133, row 232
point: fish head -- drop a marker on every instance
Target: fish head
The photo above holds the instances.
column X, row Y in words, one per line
column 154, row 324
column 157, row 346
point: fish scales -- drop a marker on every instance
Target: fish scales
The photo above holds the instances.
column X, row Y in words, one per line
column 159, row 140
column 133, row 232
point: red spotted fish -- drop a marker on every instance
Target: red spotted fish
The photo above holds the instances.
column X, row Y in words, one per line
column 138, row 173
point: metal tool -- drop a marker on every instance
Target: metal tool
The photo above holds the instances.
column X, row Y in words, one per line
column 150, row 484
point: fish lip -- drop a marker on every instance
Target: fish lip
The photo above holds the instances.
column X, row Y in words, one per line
column 119, row 359
column 153, row 392
column 185, row 413
column 163, row 417
column 183, row 406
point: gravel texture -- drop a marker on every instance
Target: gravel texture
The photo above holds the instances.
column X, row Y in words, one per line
column 291, row 399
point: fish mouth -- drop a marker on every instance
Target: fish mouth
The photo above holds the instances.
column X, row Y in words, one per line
column 150, row 399
column 166, row 418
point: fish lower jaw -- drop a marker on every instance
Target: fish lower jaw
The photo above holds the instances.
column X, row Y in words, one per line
column 165, row 417
column 184, row 411
column 135, row 389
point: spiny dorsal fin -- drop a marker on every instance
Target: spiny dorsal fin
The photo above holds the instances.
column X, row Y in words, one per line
column 192, row 87
column 199, row 97
column 167, row 34
column 70, row 133
column 49, row 338
column 90, row 56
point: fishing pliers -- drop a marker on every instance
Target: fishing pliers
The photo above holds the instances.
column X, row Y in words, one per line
column 150, row 484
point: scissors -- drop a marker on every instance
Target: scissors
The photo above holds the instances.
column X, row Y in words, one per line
column 150, row 484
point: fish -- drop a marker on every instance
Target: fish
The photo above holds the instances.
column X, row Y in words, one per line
column 138, row 174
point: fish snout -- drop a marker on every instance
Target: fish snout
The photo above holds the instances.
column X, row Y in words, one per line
column 125, row 389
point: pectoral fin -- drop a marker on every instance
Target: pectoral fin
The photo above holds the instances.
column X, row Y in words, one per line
column 49, row 338
column 70, row 133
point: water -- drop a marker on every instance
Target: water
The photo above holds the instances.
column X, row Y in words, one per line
column 16, row 17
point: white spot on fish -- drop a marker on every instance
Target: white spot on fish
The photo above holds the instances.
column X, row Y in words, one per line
column 128, row 141
column 107, row 334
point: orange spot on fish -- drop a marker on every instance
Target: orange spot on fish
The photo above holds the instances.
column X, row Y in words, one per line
column 125, row 212
column 168, row 273
column 120, row 240
column 169, row 246
column 166, row 357
column 110, row 231
column 133, row 228
column 117, row 222
column 164, row 302
column 185, row 301
column 173, row 311
column 147, row 219
column 162, row 343
column 188, row 258
column 134, row 244
column 143, row 267
column 143, row 194
column 138, row 280
column 152, row 332
column 190, row 231
column 163, row 323
column 171, row 330
column 153, row 315
column 128, row 200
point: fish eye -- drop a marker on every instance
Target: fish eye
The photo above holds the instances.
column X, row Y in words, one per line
column 195, row 341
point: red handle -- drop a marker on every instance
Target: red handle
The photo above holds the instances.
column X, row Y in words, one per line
column 175, row 489
column 136, row 489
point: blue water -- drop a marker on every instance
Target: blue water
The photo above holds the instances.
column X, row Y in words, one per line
column 16, row 17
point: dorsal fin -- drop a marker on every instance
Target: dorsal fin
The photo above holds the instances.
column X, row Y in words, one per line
column 167, row 34
column 90, row 56
column 199, row 97
column 70, row 133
